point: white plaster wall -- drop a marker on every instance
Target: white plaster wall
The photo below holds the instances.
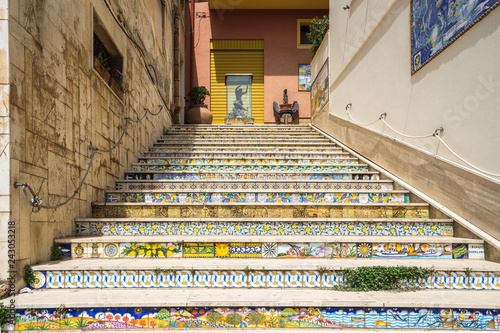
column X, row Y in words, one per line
column 458, row 90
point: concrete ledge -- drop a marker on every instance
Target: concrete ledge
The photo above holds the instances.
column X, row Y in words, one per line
column 263, row 264
column 466, row 299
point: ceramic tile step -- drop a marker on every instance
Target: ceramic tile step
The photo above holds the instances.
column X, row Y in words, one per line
column 245, row 150
column 246, row 154
column 302, row 310
column 233, row 176
column 244, row 161
column 110, row 277
column 282, row 210
column 262, row 227
column 246, row 144
column 267, row 197
column 203, row 185
column 251, row 168
column 239, row 136
column 277, row 247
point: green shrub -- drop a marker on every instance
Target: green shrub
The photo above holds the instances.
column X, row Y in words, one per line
column 317, row 31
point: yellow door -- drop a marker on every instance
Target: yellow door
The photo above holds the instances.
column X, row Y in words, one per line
column 236, row 57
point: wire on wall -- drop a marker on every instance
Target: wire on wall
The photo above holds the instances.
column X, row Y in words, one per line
column 436, row 134
column 37, row 203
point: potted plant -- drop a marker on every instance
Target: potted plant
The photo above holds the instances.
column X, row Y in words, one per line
column 176, row 109
column 198, row 113
column 101, row 66
column 117, row 85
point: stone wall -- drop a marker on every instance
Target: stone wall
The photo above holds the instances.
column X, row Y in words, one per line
column 60, row 105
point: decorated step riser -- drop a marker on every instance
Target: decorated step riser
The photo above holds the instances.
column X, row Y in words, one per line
column 250, row 176
column 149, row 155
column 341, row 160
column 264, row 228
column 262, row 150
column 253, row 145
column 240, row 279
column 250, row 168
column 247, row 211
column 242, row 137
column 254, row 198
column 244, row 186
column 134, row 317
column 274, row 250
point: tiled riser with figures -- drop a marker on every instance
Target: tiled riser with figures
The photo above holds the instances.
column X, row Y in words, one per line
column 171, row 278
column 182, row 161
column 261, row 211
column 365, row 250
column 249, row 168
column 249, row 186
column 267, row 198
column 249, row 176
column 251, row 318
column 264, row 227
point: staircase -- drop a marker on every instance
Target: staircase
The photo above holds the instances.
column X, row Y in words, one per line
column 250, row 226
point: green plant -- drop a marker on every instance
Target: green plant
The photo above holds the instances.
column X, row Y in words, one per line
column 61, row 310
column 119, row 77
column 103, row 61
column 29, row 275
column 373, row 278
column 4, row 315
column 55, row 252
column 197, row 95
column 317, row 31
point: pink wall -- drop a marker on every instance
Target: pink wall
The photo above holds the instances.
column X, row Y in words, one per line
column 278, row 28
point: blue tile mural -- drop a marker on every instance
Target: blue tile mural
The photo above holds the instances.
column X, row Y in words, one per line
column 437, row 24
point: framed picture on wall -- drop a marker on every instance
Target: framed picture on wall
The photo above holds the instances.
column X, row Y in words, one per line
column 436, row 25
column 304, row 77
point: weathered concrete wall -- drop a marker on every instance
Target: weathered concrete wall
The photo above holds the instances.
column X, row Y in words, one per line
column 457, row 90
column 4, row 138
column 60, row 106
column 471, row 197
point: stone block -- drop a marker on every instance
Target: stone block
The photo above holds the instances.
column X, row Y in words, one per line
column 58, row 180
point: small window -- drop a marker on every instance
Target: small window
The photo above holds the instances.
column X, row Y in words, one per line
column 302, row 29
column 105, row 49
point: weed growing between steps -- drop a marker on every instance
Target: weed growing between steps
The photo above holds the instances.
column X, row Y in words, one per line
column 4, row 315
column 377, row 278
column 29, row 275
column 55, row 252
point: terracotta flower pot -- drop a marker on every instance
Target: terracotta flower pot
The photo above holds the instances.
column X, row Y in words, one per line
column 198, row 114
column 116, row 89
column 101, row 70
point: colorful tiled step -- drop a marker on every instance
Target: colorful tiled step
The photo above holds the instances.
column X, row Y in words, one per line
column 262, row 227
column 246, row 161
column 251, row 175
column 249, row 144
column 243, row 154
column 211, row 273
column 253, row 198
column 283, row 210
column 251, row 168
column 281, row 150
column 278, row 247
column 364, row 185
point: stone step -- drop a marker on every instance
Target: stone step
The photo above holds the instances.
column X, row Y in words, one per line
column 250, row 197
column 281, row 210
column 233, row 176
column 229, row 139
column 241, row 135
column 253, row 128
column 243, row 154
column 276, row 247
column 245, row 144
column 227, row 227
column 130, row 308
column 203, row 185
column 251, row 168
column 249, row 149
column 244, row 161
column 118, row 273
